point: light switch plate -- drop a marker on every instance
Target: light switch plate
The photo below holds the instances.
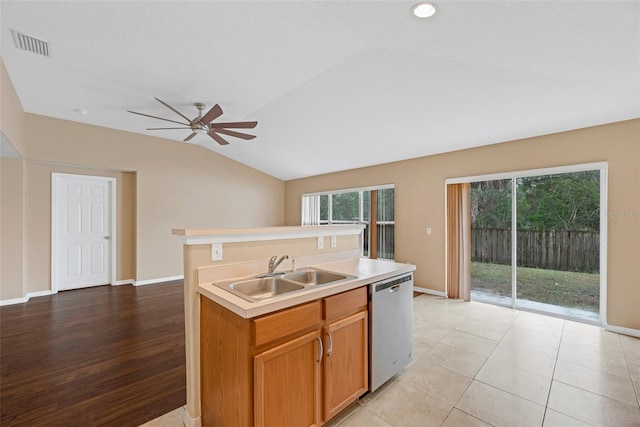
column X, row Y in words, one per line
column 216, row 252
column 320, row 242
column 428, row 230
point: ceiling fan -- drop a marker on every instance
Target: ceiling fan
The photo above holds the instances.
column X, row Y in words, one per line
column 203, row 124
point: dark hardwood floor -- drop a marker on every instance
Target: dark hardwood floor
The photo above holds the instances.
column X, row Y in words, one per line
column 102, row 356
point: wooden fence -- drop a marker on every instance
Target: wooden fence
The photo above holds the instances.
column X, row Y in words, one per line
column 563, row 250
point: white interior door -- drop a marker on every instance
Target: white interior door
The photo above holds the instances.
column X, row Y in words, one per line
column 82, row 227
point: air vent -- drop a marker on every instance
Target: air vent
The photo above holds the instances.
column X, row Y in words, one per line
column 30, row 44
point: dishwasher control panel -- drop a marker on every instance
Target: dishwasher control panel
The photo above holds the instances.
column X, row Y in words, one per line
column 393, row 283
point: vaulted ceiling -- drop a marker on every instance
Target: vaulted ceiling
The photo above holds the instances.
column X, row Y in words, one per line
column 334, row 85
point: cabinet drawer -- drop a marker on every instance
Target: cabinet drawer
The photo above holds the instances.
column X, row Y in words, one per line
column 345, row 303
column 286, row 322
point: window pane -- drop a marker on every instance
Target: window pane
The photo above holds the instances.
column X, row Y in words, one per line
column 558, row 265
column 491, row 241
column 324, row 208
column 385, row 226
column 366, row 205
column 345, row 207
column 386, row 205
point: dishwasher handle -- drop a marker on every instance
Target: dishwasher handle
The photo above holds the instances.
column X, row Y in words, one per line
column 393, row 289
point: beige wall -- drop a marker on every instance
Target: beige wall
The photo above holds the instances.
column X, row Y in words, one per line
column 263, row 250
column 12, row 123
column 178, row 185
column 11, row 229
column 420, row 190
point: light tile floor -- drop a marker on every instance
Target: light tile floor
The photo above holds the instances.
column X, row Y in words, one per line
column 477, row 364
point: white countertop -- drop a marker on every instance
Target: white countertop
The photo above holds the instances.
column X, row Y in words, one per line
column 365, row 271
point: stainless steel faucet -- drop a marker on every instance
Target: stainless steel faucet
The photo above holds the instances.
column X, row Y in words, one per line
column 274, row 262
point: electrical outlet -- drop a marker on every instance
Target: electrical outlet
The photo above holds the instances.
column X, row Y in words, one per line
column 216, row 252
column 428, row 230
column 320, row 242
column 334, row 242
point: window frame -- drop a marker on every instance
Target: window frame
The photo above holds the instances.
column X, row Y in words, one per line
column 330, row 221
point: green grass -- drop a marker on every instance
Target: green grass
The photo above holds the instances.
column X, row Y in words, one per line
column 563, row 288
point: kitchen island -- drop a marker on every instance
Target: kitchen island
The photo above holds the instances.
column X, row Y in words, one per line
column 234, row 346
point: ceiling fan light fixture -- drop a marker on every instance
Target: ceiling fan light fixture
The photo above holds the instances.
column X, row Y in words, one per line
column 424, row 10
column 200, row 131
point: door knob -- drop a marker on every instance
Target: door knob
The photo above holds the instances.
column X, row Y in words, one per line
column 107, row 237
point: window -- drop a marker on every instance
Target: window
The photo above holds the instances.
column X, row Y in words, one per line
column 357, row 206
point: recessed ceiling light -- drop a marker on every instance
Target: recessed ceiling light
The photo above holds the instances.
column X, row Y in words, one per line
column 81, row 111
column 424, row 10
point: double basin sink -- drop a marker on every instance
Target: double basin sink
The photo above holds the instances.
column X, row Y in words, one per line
column 264, row 288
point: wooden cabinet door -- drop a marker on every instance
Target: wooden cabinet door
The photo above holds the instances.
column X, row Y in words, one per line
column 346, row 372
column 287, row 383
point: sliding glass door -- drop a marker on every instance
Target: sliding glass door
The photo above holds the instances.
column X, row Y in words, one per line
column 535, row 242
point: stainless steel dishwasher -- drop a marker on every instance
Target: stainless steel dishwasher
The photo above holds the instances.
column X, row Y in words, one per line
column 390, row 328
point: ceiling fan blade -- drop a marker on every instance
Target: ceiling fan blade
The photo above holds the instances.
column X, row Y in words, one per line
column 212, row 114
column 189, row 137
column 167, row 128
column 159, row 118
column 173, row 109
column 245, row 125
column 233, row 133
column 217, row 138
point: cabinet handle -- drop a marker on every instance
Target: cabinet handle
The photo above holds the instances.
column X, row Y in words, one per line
column 330, row 349
column 321, row 350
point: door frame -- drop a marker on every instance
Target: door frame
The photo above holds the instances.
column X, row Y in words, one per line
column 55, row 200
column 603, row 167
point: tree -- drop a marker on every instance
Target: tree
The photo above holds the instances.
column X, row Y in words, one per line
column 491, row 204
column 568, row 201
column 345, row 206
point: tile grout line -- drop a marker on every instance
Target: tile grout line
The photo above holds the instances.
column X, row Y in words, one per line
column 560, row 382
column 604, row 373
column 553, row 374
column 465, row 390
column 564, row 334
column 476, row 374
column 633, row 383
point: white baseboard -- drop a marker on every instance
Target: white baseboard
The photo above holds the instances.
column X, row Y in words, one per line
column 24, row 299
column 160, row 280
column 429, row 291
column 189, row 421
column 13, row 301
column 622, row 330
column 40, row 294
